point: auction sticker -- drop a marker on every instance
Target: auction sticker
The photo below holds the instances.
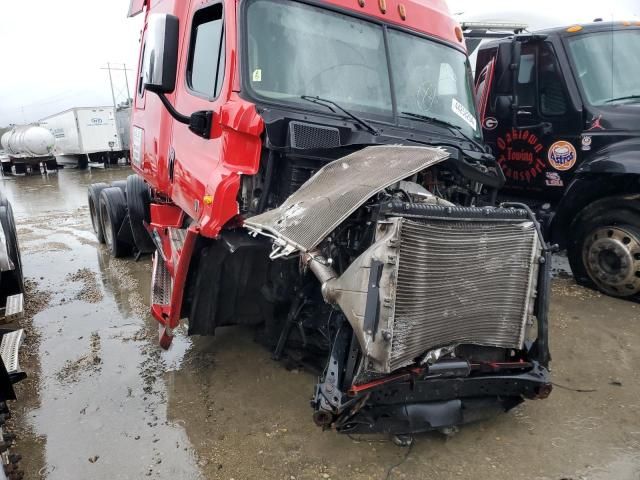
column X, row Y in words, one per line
column 562, row 155
column 136, row 150
column 460, row 110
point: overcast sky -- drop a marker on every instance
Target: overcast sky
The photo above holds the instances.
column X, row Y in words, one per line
column 52, row 50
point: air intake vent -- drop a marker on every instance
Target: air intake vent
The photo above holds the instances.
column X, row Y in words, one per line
column 305, row 136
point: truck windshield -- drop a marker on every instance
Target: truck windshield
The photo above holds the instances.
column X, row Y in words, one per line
column 297, row 50
column 608, row 66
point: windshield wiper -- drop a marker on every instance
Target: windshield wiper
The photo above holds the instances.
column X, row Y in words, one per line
column 450, row 126
column 327, row 103
column 627, row 97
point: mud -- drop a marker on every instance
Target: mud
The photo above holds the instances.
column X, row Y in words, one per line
column 103, row 401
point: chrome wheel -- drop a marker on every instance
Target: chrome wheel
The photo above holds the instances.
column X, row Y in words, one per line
column 106, row 224
column 611, row 256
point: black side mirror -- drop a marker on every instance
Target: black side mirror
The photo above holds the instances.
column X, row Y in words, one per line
column 160, row 67
column 507, row 64
column 160, row 62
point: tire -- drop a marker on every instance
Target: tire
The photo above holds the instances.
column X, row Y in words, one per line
column 122, row 185
column 604, row 247
column 93, row 197
column 3, row 199
column 139, row 207
column 13, row 247
column 113, row 211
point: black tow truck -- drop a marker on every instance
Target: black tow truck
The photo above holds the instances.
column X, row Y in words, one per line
column 560, row 110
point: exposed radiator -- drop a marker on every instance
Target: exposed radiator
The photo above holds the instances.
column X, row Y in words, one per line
column 462, row 280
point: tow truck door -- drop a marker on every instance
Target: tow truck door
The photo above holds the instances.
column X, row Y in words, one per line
column 537, row 143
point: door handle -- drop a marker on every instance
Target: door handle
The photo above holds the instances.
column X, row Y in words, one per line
column 172, row 160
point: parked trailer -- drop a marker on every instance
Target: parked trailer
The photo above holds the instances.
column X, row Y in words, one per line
column 26, row 147
column 283, row 181
column 89, row 134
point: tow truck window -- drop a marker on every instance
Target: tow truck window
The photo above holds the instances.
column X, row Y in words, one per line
column 607, row 66
column 205, row 67
column 552, row 96
column 526, row 90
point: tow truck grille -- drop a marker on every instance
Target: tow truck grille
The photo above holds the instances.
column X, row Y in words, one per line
column 463, row 281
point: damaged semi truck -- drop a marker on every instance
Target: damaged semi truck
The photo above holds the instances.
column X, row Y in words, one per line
column 316, row 170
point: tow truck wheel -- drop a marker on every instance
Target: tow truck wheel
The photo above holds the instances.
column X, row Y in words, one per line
column 605, row 248
column 138, row 205
column 113, row 211
column 93, row 194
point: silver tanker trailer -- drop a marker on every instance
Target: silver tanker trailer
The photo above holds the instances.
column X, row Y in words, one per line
column 26, row 148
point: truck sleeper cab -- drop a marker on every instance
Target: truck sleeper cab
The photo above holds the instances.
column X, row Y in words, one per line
column 315, row 169
column 564, row 128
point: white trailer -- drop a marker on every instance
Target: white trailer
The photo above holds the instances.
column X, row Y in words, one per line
column 89, row 134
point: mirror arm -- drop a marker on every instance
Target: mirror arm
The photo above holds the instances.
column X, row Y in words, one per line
column 199, row 122
column 514, row 67
column 172, row 111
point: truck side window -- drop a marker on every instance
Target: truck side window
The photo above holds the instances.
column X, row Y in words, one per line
column 141, row 72
column 205, row 68
column 527, row 80
column 553, row 100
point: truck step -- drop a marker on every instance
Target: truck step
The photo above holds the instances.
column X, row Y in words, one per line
column 14, row 308
column 161, row 282
column 9, row 348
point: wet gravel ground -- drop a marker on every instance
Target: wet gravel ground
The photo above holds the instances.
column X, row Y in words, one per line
column 104, row 402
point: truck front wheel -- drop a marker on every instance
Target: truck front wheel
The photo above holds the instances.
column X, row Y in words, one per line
column 604, row 248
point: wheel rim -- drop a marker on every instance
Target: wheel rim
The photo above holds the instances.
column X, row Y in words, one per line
column 611, row 256
column 94, row 215
column 106, row 225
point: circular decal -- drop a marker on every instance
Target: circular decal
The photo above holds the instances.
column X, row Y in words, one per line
column 562, row 155
column 520, row 155
column 490, row 123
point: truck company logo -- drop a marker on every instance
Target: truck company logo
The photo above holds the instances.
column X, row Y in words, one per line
column 519, row 155
column 490, row 123
column 96, row 121
column 562, row 155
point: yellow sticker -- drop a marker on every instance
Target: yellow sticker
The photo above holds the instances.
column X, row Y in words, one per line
column 257, row 75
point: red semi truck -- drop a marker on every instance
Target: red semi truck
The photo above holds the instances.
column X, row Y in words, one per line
column 315, row 169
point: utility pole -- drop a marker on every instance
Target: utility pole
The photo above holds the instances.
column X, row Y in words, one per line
column 113, row 95
column 126, row 81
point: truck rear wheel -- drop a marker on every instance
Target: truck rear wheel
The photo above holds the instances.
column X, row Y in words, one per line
column 93, row 194
column 113, row 211
column 122, row 185
column 139, row 207
column 604, row 249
